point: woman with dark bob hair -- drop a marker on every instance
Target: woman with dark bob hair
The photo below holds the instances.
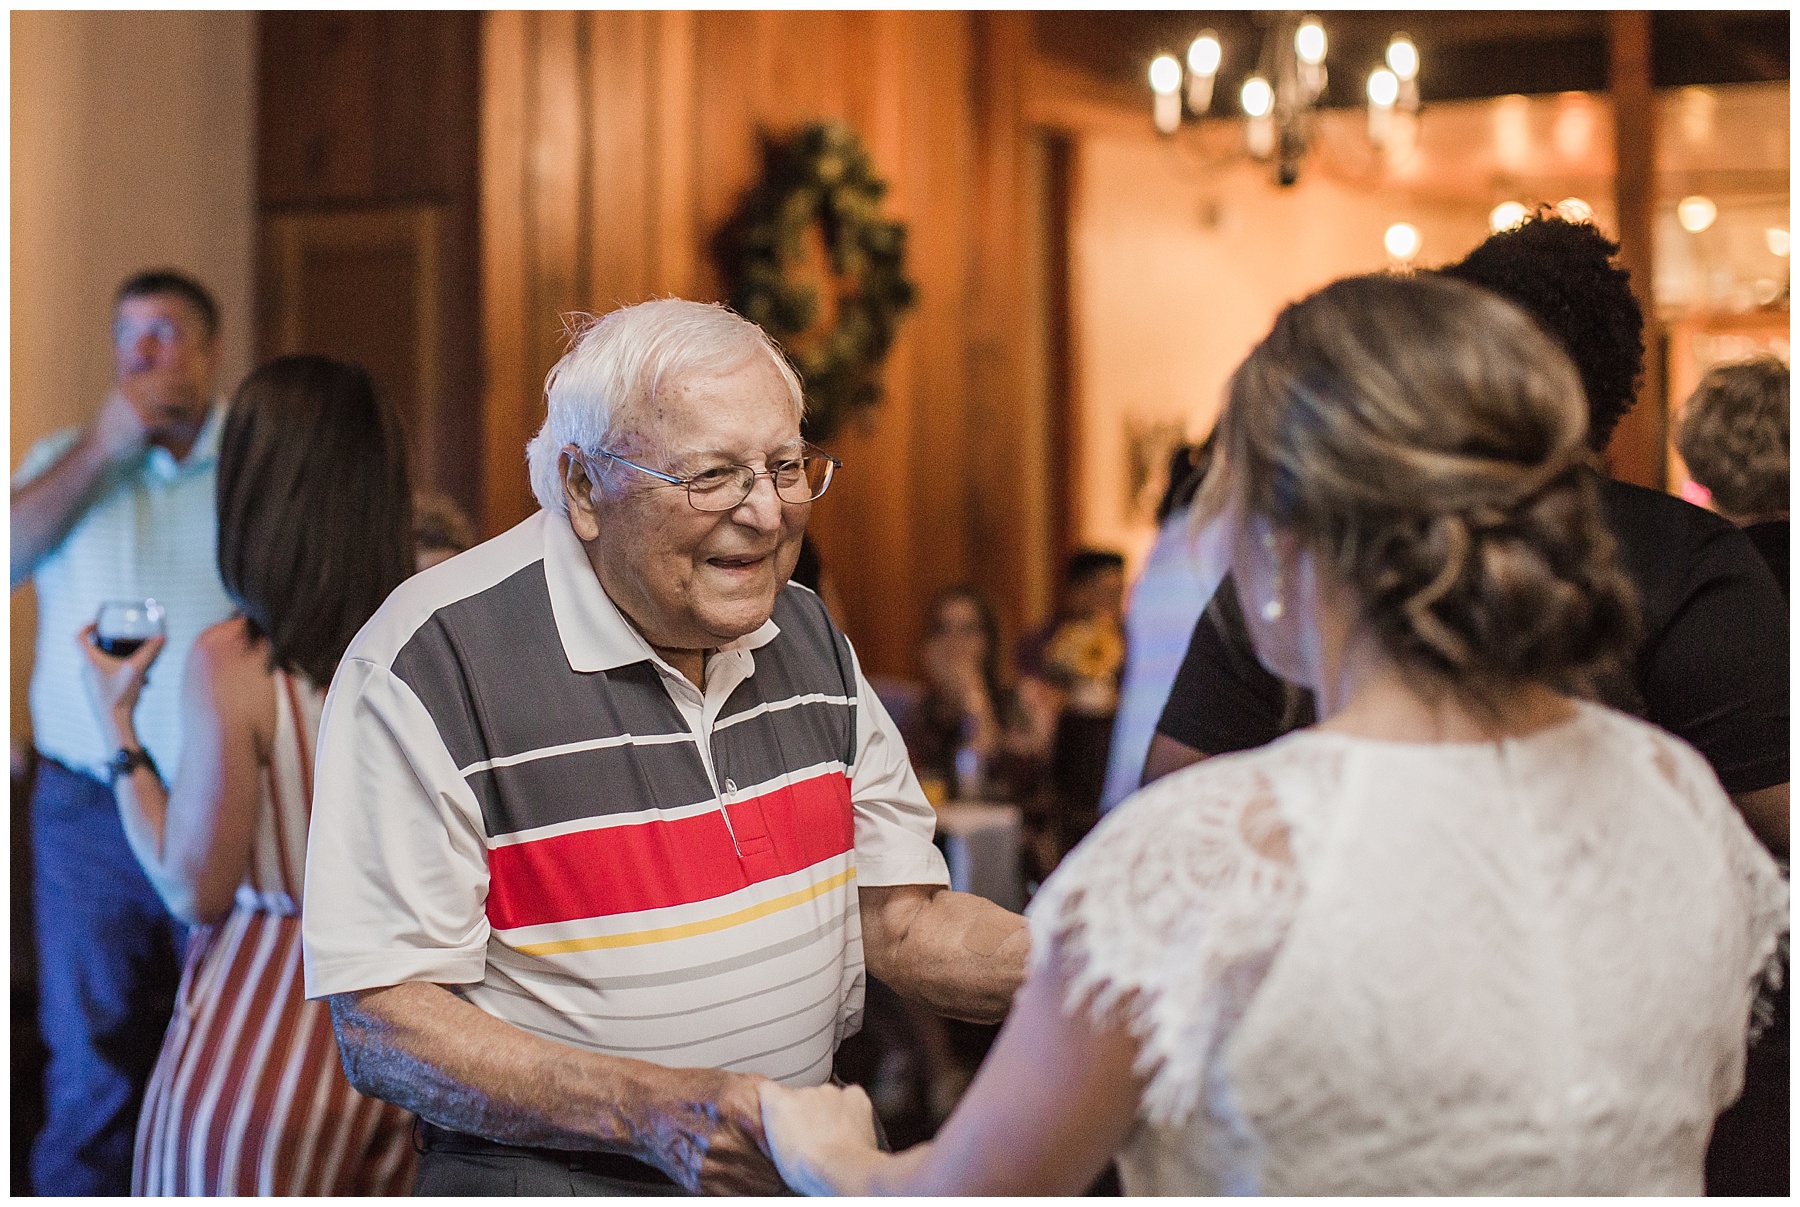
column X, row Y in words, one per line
column 1470, row 933
column 248, row 1096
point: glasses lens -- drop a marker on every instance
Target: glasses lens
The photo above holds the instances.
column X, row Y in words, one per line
column 805, row 480
column 721, row 488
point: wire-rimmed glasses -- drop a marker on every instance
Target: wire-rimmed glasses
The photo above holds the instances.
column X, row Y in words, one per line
column 797, row 479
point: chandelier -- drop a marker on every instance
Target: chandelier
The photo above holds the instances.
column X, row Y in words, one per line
column 1281, row 95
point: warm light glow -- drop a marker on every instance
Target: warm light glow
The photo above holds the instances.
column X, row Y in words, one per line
column 1506, row 215
column 1257, row 96
column 1572, row 130
column 1403, row 57
column 1778, row 241
column 1384, row 87
column 1575, row 209
column 1165, row 75
column 1696, row 213
column 1512, row 132
column 1204, row 55
column 1402, row 241
column 1309, row 42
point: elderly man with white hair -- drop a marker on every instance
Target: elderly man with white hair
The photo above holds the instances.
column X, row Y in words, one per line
column 608, row 824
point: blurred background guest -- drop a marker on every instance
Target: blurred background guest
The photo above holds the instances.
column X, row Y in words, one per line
column 968, row 735
column 1070, row 669
column 440, row 529
column 1177, row 580
column 120, row 509
column 249, row 1095
column 1734, row 438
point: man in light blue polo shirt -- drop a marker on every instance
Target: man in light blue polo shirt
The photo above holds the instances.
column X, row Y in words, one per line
column 123, row 508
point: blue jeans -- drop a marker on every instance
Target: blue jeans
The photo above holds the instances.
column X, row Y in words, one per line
column 108, row 968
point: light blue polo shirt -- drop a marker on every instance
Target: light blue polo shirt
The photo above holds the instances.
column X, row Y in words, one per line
column 151, row 533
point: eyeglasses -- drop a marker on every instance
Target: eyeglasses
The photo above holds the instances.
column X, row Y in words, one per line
column 127, row 333
column 799, row 479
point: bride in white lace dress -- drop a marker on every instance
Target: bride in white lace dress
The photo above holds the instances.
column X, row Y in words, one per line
column 1467, row 935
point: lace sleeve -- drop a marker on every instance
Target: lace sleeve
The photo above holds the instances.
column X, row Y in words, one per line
column 1171, row 911
column 1760, row 882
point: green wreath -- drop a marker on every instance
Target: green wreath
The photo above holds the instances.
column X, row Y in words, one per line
column 821, row 173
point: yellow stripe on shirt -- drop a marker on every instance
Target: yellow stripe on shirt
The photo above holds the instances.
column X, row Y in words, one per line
column 663, row 934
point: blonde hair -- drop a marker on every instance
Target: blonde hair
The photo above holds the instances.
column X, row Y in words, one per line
column 1426, row 441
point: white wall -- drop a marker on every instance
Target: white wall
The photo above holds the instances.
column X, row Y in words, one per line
column 133, row 146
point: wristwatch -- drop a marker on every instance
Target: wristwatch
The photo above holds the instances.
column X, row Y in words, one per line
column 128, row 760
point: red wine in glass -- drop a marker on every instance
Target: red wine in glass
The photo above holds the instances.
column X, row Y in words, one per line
column 123, row 626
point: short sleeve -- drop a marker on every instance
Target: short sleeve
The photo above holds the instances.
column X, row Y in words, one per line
column 1717, row 675
column 43, row 455
column 1172, row 910
column 894, row 821
column 396, row 859
column 1223, row 700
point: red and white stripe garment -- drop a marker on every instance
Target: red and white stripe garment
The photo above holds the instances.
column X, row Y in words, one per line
column 248, row 1096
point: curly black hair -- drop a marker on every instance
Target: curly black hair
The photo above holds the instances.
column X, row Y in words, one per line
column 1562, row 274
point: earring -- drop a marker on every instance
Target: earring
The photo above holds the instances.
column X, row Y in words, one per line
column 1273, row 609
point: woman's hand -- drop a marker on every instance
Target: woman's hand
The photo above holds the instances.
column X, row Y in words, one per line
column 114, row 684
column 822, row 1138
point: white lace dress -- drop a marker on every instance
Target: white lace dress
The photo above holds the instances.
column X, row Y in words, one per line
column 1366, row 967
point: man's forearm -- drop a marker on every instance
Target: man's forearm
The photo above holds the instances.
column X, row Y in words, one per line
column 959, row 954
column 44, row 509
column 423, row 1048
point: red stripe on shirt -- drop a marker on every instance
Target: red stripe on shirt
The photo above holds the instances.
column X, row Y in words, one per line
column 657, row 864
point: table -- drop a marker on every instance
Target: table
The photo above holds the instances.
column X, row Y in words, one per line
column 982, row 842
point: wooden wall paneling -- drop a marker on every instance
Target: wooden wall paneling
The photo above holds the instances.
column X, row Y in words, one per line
column 1007, row 459
column 676, row 237
column 939, row 189
column 1636, row 451
column 508, row 414
column 317, row 78
column 388, row 261
column 376, row 114
column 621, row 97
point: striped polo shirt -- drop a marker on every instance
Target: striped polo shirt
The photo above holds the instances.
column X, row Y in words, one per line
column 518, row 798
column 150, row 532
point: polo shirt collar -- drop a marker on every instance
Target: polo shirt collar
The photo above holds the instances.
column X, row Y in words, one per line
column 161, row 463
column 595, row 635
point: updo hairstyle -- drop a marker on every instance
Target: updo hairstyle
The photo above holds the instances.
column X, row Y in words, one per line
column 1734, row 437
column 1426, row 441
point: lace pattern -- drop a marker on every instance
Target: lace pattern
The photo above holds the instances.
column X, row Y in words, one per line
column 1198, row 864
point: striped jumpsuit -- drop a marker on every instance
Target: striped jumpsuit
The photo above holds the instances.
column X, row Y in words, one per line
column 248, row 1096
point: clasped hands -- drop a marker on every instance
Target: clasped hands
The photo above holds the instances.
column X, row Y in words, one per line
column 721, row 1132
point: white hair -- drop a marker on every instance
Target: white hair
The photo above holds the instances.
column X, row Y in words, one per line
column 618, row 361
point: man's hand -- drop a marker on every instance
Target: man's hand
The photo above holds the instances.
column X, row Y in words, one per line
column 427, row 1050
column 703, row 1127
column 122, row 426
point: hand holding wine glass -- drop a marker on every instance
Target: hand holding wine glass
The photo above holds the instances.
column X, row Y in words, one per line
column 120, row 644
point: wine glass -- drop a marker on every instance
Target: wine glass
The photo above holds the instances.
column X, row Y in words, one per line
column 123, row 626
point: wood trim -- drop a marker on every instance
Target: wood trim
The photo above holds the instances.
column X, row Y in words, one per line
column 290, row 237
column 1636, row 452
